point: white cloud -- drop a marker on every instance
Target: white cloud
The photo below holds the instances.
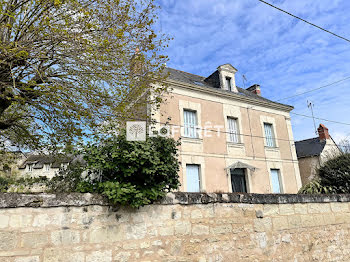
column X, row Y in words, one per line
column 284, row 55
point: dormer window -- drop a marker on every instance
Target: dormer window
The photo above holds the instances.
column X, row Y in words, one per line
column 228, row 83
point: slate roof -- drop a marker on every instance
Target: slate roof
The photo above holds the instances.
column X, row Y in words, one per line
column 39, row 160
column 309, row 147
column 211, row 82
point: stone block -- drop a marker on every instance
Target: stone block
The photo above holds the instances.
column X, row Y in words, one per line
column 329, row 219
column 34, row 240
column 182, row 228
column 340, row 207
column 271, row 210
column 315, row 208
column 4, row 221
column 200, row 230
column 108, row 234
column 280, row 223
column 65, row 237
column 195, row 214
column 307, row 221
column 341, row 218
column 8, row 240
column 300, row 208
column 99, row 256
column 286, row 209
column 262, row 224
column 58, row 255
column 27, row 259
column 20, row 221
column 166, row 231
column 122, row 257
column 294, row 221
column 222, row 229
column 136, row 231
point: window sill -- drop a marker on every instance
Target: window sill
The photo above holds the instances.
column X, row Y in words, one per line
column 232, row 144
column 191, row 140
column 273, row 149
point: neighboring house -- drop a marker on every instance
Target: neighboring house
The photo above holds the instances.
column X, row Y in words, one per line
column 313, row 152
column 249, row 146
column 42, row 165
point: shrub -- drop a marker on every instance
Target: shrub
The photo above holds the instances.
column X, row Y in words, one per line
column 333, row 177
column 335, row 173
column 126, row 172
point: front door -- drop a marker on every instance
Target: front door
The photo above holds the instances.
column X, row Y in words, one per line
column 238, row 180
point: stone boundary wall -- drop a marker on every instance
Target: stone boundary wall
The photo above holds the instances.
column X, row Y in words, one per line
column 182, row 227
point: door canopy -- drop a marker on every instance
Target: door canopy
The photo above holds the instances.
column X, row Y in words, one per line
column 239, row 164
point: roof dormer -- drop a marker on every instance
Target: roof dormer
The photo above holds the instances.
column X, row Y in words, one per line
column 223, row 78
column 227, row 77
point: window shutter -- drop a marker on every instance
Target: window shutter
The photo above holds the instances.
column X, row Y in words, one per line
column 192, row 178
column 233, row 130
column 275, row 181
column 270, row 140
column 190, row 123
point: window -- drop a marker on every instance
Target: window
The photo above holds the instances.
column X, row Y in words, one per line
column 228, row 83
column 238, row 180
column 269, row 135
column 47, row 167
column 30, row 167
column 276, row 181
column 193, row 178
column 190, row 123
column 233, row 129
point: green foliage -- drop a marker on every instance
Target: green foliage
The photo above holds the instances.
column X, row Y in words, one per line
column 333, row 177
column 315, row 187
column 126, row 172
column 4, row 184
column 67, row 66
column 336, row 173
column 8, row 183
column 67, row 180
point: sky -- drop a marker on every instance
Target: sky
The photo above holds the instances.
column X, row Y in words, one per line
column 284, row 55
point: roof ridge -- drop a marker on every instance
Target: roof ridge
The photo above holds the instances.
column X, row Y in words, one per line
column 306, row 139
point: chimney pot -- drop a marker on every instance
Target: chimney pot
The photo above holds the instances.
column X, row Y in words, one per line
column 323, row 132
column 255, row 89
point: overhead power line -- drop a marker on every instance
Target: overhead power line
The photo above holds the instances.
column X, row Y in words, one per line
column 323, row 119
column 218, row 131
column 325, row 30
column 317, row 88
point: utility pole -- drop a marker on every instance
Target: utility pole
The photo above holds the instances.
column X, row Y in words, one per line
column 311, row 105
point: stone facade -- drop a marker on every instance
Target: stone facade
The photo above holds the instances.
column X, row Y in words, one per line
column 184, row 227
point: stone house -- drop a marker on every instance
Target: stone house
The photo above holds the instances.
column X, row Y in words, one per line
column 42, row 165
column 313, row 152
column 233, row 139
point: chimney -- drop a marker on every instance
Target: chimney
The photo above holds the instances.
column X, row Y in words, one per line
column 323, row 132
column 136, row 64
column 255, row 89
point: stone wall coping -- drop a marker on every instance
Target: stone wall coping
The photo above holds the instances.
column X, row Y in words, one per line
column 13, row 200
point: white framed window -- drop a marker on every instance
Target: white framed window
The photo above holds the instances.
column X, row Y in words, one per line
column 30, row 167
column 228, row 83
column 190, row 123
column 276, row 182
column 269, row 135
column 47, row 167
column 233, row 129
column 193, row 180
